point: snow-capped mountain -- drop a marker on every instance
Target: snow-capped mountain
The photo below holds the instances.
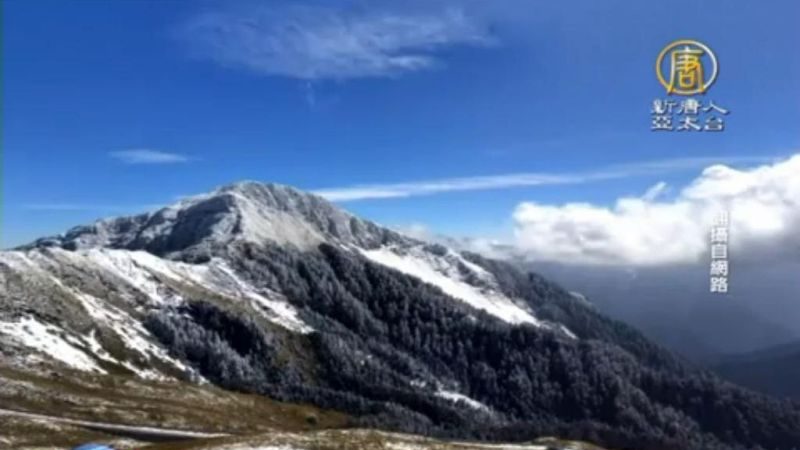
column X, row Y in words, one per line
column 263, row 288
column 121, row 255
column 241, row 212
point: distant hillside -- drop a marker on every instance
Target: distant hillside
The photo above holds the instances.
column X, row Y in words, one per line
column 775, row 370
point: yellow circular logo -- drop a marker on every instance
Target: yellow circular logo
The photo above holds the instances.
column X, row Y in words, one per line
column 686, row 67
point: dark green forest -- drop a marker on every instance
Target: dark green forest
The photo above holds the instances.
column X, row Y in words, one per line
column 385, row 343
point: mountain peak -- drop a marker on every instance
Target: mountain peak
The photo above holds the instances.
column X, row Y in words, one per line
column 252, row 188
column 243, row 211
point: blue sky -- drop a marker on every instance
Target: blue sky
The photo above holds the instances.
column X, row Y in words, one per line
column 114, row 107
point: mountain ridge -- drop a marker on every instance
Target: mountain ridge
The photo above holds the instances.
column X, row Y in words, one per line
column 404, row 335
column 245, row 210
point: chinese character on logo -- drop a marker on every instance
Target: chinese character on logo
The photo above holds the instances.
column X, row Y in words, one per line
column 690, row 107
column 687, row 70
column 661, row 123
column 689, row 123
column 692, row 67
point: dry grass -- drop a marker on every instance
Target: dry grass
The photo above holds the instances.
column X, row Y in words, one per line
column 130, row 401
column 16, row 432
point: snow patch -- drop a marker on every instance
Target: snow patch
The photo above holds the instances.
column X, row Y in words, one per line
column 145, row 272
column 404, row 446
column 275, row 307
column 141, row 276
column 47, row 339
column 137, row 269
column 444, row 273
column 455, row 397
column 259, row 225
column 131, row 331
column 567, row 331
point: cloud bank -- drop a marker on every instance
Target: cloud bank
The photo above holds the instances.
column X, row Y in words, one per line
column 316, row 42
column 763, row 203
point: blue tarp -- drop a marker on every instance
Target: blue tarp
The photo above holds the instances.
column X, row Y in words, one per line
column 92, row 447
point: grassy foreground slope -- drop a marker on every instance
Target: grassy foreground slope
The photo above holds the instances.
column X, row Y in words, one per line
column 131, row 401
column 252, row 422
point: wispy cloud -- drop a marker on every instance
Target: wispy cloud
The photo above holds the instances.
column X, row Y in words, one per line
column 504, row 181
column 316, row 42
column 84, row 207
column 148, row 156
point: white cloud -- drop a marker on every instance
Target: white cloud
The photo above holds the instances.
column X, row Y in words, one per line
column 315, row 42
column 763, row 202
column 148, row 156
column 416, row 188
column 416, row 230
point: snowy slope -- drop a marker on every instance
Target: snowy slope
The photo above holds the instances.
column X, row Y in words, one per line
column 450, row 272
column 50, row 341
column 461, row 279
column 106, row 289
